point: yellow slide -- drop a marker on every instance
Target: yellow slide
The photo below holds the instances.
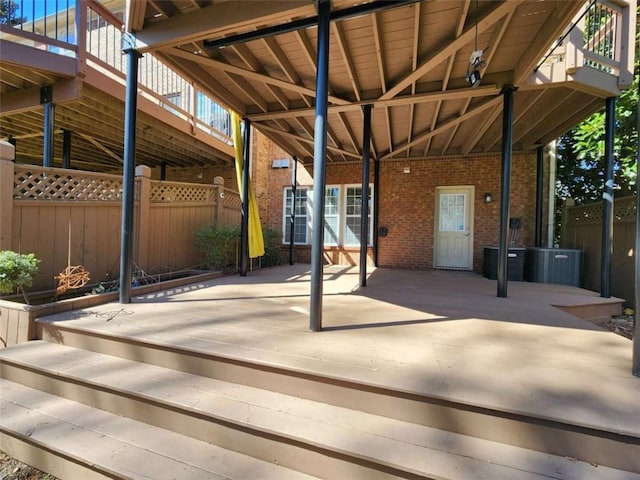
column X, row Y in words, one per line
column 256, row 241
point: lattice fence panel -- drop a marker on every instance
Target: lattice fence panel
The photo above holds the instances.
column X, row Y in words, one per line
column 60, row 185
column 232, row 199
column 165, row 192
column 624, row 209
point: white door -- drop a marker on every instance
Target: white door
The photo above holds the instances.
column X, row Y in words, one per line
column 454, row 228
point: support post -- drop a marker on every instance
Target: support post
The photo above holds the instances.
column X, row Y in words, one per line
column 539, row 192
column 364, row 213
column 507, row 146
column 607, row 198
column 376, row 208
column 244, row 226
column 319, row 165
column 13, row 141
column 128, row 174
column 66, row 149
column 163, row 171
column 46, row 99
column 292, row 220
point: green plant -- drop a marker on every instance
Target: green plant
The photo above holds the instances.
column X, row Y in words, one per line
column 17, row 271
column 272, row 247
column 219, row 245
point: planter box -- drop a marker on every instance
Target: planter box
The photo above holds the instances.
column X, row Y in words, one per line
column 17, row 320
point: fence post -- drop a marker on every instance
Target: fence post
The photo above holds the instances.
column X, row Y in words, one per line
column 141, row 247
column 7, row 152
column 218, row 183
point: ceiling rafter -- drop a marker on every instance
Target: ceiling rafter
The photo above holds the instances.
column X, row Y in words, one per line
column 346, row 57
column 377, row 38
column 529, row 135
column 462, row 18
column 582, row 113
column 307, row 140
column 285, row 65
column 259, row 77
column 415, row 45
column 252, row 62
column 489, row 51
column 444, row 126
column 449, row 48
column 463, row 109
column 99, row 145
column 486, row 125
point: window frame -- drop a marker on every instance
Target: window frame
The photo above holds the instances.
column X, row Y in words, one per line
column 286, row 218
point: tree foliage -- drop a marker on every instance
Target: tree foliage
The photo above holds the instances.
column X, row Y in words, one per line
column 8, row 10
column 580, row 173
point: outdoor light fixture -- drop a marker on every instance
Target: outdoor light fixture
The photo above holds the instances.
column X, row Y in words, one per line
column 488, row 198
column 476, row 61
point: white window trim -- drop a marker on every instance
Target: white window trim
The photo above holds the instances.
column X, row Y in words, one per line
column 286, row 218
column 344, row 210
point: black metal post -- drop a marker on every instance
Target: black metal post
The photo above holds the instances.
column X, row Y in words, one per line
column 319, row 165
column 13, row 141
column 635, row 362
column 244, row 226
column 66, row 149
column 49, row 133
column 507, row 141
column 376, row 208
column 607, row 198
column 292, row 220
column 364, row 213
column 128, row 174
column 539, row 191
column 163, row 171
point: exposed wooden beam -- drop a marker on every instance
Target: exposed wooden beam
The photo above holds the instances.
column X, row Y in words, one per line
column 450, row 47
column 93, row 141
column 134, row 15
column 557, row 21
column 248, row 74
column 444, row 126
column 284, row 63
column 530, row 135
column 415, row 46
column 427, row 97
column 219, row 20
column 346, row 57
column 454, row 130
column 19, row 101
column 483, row 127
column 307, row 140
column 570, row 122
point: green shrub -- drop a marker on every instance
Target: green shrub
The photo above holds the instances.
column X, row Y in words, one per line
column 272, row 247
column 17, row 270
column 219, row 245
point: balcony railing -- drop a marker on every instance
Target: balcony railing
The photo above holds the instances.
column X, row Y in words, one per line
column 53, row 25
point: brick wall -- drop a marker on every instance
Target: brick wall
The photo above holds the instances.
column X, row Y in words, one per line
column 407, row 204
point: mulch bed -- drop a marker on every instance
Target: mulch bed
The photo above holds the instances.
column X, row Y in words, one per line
column 12, row 469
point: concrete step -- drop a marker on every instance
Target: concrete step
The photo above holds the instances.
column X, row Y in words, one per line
column 73, row 441
column 315, row 438
column 545, row 432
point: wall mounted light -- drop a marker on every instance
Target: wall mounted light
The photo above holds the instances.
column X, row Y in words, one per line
column 488, row 198
column 406, row 169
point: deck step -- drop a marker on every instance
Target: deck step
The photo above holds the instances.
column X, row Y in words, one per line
column 595, row 442
column 315, row 438
column 75, row 441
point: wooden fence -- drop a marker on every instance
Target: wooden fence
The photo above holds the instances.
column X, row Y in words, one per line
column 582, row 229
column 71, row 217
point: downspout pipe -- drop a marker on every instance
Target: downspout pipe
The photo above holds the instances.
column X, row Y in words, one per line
column 539, row 193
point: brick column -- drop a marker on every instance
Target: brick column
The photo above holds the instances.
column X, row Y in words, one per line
column 7, row 153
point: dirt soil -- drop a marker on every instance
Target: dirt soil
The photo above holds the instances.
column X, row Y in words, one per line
column 11, row 469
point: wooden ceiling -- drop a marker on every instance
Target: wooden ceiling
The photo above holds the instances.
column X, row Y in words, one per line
column 408, row 60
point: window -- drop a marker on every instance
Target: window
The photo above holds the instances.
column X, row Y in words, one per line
column 332, row 216
column 353, row 211
column 301, row 222
column 342, row 210
column 452, row 218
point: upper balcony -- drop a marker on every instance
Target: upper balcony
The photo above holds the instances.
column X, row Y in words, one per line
column 596, row 53
column 74, row 47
